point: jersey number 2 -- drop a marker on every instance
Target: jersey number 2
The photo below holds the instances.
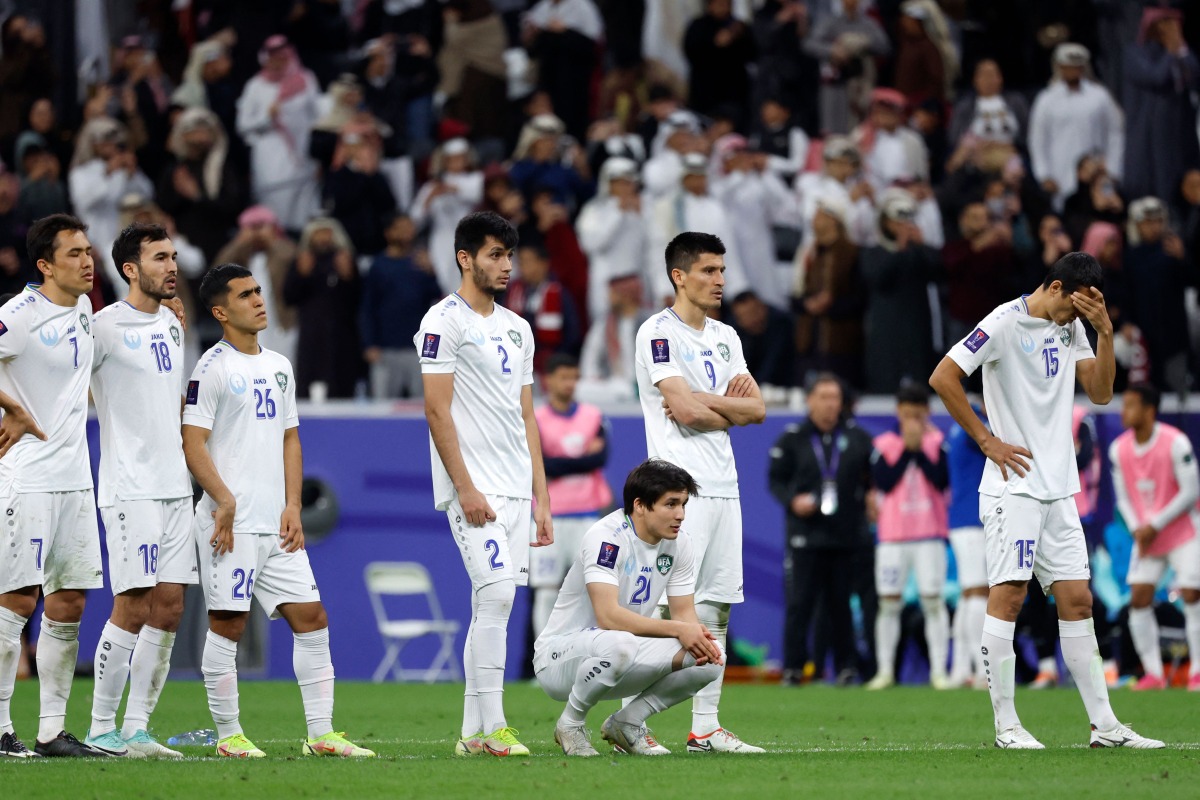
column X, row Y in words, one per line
column 641, row 594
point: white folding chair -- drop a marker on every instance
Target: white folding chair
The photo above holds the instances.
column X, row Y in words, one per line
column 408, row 579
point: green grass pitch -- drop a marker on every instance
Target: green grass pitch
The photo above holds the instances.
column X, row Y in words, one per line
column 823, row 742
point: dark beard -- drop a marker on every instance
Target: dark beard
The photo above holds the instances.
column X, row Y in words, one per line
column 480, row 280
column 159, row 293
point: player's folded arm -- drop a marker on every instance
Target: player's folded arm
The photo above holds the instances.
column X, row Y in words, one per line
column 687, row 409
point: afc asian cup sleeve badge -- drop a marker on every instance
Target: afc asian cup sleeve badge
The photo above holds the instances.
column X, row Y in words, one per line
column 429, row 347
column 660, row 350
column 608, row 555
column 193, row 393
column 976, row 340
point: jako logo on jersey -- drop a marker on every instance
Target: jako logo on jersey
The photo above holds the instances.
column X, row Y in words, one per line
column 664, row 564
column 49, row 336
column 430, row 348
column 976, row 340
column 193, row 392
column 660, row 349
column 237, row 383
column 608, row 555
column 723, row 349
column 133, row 339
column 1027, row 343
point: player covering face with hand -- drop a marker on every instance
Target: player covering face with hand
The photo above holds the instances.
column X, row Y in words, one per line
column 242, row 442
column 1031, row 351
column 602, row 642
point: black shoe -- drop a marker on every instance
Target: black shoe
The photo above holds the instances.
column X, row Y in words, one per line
column 12, row 747
column 847, row 677
column 66, row 746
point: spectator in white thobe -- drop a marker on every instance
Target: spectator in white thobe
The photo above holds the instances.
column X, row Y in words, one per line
column 455, row 190
column 612, row 232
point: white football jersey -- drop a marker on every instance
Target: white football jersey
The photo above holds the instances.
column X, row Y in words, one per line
column 247, row 402
column 491, row 359
column 1029, row 391
column 612, row 553
column 45, row 365
column 137, row 383
column 708, row 360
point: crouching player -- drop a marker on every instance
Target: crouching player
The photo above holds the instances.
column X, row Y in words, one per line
column 601, row 642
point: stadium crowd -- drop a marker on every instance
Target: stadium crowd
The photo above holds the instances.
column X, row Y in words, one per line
column 883, row 173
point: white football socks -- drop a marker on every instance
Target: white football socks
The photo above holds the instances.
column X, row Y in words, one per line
column 960, row 655
column 11, row 625
column 219, row 666
column 314, row 673
column 147, row 675
column 937, row 634
column 974, row 609
column 472, row 721
column 715, row 617
column 1000, row 665
column 489, row 634
column 1191, row 625
column 1143, row 629
column 887, row 635
column 113, row 652
column 670, row 690
column 58, row 648
column 1082, row 655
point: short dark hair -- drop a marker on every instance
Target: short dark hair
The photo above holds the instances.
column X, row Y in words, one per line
column 1148, row 393
column 825, row 377
column 473, row 230
column 215, row 286
column 687, row 247
column 653, row 478
column 40, row 241
column 914, row 393
column 559, row 361
column 127, row 248
column 1075, row 271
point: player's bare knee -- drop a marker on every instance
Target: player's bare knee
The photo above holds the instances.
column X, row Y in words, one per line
column 1141, row 595
column 131, row 610
column 166, row 607
column 1005, row 600
column 22, row 601
column 1073, row 600
column 305, row 617
column 65, row 606
column 228, row 624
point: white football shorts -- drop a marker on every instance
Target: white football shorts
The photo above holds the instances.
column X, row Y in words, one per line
column 895, row 561
column 548, row 566
column 149, row 542
column 51, row 540
column 1025, row 537
column 969, row 557
column 258, row 568
column 715, row 525
column 498, row 549
column 1184, row 560
column 556, row 662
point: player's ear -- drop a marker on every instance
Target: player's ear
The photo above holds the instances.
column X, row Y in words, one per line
column 464, row 259
column 219, row 314
column 130, row 270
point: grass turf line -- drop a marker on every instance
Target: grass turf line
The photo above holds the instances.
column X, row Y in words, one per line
column 907, row 742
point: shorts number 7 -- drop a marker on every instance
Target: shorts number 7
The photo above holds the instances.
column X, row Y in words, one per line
column 37, row 548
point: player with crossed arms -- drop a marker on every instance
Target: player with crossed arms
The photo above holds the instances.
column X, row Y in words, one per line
column 694, row 386
column 242, row 442
column 601, row 642
column 1031, row 351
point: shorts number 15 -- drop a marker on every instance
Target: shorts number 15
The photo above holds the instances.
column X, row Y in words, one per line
column 1024, row 553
